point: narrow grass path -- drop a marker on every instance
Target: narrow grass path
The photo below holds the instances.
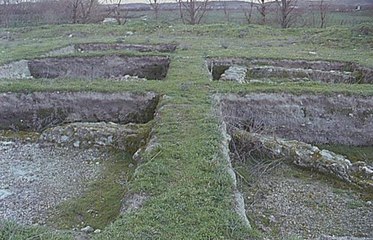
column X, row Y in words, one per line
column 191, row 194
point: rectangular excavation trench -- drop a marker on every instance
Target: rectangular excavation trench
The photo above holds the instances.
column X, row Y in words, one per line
column 61, row 153
column 283, row 198
column 118, row 67
column 268, row 70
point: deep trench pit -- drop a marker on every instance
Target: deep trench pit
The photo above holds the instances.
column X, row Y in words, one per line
column 289, row 186
column 66, row 158
column 270, row 70
column 117, row 67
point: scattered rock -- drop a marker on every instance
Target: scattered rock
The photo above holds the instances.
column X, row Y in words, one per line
column 15, row 70
column 234, row 73
column 287, row 69
column 132, row 203
column 128, row 137
column 87, row 229
column 306, row 156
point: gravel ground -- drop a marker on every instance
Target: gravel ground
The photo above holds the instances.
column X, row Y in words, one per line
column 288, row 202
column 35, row 178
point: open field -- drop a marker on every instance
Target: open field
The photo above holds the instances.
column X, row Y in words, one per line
column 185, row 184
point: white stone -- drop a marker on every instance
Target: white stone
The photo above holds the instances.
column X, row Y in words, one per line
column 87, row 229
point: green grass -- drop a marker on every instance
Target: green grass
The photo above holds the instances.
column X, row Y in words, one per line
column 101, row 202
column 190, row 192
column 353, row 153
column 12, row 231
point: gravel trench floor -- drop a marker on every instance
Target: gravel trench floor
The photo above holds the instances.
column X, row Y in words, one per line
column 290, row 203
column 35, row 178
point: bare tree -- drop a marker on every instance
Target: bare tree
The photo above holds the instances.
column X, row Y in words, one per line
column 114, row 9
column 192, row 11
column 262, row 9
column 83, row 11
column 155, row 5
column 286, row 8
column 226, row 11
column 323, row 7
column 249, row 11
column 4, row 12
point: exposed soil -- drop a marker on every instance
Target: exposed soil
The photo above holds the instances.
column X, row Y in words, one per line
column 114, row 66
column 39, row 110
column 324, row 71
column 315, row 119
column 90, row 47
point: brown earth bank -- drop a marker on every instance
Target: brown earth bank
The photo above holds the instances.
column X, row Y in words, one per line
column 114, row 66
column 39, row 110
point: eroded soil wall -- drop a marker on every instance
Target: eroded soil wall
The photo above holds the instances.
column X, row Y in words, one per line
column 315, row 119
column 39, row 110
column 150, row 67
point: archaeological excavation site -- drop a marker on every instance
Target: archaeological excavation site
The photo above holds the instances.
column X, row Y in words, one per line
column 55, row 144
column 120, row 67
column 160, row 137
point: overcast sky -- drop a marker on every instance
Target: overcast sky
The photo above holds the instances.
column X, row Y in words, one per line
column 163, row 1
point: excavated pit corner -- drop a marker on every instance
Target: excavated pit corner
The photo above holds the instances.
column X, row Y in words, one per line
column 247, row 70
column 39, row 110
column 272, row 149
column 110, row 67
column 80, row 136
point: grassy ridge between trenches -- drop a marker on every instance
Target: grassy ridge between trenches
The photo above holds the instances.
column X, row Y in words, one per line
column 190, row 193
